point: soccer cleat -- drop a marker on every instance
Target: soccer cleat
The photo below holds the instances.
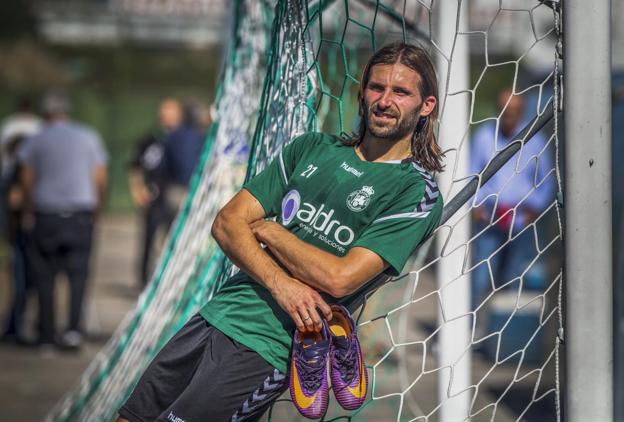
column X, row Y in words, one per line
column 309, row 386
column 348, row 373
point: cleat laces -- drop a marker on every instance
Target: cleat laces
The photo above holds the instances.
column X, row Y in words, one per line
column 314, row 374
column 346, row 363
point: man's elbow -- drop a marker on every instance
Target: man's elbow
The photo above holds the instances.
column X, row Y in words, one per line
column 339, row 292
column 218, row 229
column 344, row 284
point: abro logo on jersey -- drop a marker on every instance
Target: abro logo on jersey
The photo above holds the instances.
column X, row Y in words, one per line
column 317, row 218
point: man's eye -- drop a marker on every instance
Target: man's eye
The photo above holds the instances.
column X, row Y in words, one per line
column 375, row 88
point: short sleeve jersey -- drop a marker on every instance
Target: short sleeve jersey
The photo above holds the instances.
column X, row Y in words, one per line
column 325, row 194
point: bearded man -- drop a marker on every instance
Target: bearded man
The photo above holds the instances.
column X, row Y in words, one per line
column 347, row 210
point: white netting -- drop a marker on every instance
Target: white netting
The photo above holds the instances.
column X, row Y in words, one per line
column 187, row 271
column 495, row 300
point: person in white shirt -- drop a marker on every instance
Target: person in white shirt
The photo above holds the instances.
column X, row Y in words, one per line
column 14, row 131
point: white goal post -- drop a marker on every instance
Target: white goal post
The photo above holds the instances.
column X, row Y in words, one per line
column 587, row 209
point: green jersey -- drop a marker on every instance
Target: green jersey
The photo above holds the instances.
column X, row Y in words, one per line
column 324, row 193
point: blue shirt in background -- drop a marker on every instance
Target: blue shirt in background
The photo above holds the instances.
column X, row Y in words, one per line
column 64, row 156
column 527, row 180
column 183, row 148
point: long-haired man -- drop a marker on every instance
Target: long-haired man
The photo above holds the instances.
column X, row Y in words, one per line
column 347, row 210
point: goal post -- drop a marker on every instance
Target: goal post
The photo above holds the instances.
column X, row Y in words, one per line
column 453, row 68
column 587, row 205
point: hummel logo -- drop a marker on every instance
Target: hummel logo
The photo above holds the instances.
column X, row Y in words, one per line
column 173, row 418
column 351, row 170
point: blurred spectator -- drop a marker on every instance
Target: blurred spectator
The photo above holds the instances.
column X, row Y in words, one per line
column 23, row 123
column 148, row 181
column 201, row 114
column 64, row 175
column 15, row 129
column 183, row 149
column 512, row 199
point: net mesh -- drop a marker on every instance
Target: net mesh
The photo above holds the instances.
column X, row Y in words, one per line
column 192, row 262
column 310, row 55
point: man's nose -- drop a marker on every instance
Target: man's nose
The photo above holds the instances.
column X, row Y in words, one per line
column 386, row 99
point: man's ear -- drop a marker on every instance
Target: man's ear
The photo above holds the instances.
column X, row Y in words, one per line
column 428, row 105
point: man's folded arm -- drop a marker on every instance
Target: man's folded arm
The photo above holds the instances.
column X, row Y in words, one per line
column 231, row 229
column 338, row 276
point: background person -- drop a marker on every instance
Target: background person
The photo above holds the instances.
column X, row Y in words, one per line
column 64, row 173
column 514, row 197
column 15, row 129
column 183, row 149
column 148, row 181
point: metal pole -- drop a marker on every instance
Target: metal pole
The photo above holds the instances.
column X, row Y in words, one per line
column 588, row 228
column 455, row 334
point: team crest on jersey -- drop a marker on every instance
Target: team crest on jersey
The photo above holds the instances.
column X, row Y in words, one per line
column 359, row 199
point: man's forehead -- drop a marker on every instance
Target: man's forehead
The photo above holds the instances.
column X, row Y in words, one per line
column 396, row 73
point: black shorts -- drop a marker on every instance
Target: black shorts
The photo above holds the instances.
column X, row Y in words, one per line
column 203, row 375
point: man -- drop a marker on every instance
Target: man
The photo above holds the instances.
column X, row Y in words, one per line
column 23, row 123
column 348, row 210
column 64, row 175
column 512, row 199
column 148, row 181
column 15, row 129
column 183, row 149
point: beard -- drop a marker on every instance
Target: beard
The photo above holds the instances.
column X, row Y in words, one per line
column 392, row 130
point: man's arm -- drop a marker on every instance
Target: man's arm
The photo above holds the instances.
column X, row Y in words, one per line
column 27, row 179
column 140, row 193
column 232, row 231
column 338, row 276
column 101, row 183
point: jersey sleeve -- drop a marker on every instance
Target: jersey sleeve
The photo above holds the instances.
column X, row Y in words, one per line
column 100, row 155
column 269, row 186
column 402, row 227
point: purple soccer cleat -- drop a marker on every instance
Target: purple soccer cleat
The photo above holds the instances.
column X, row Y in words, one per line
column 309, row 386
column 348, row 373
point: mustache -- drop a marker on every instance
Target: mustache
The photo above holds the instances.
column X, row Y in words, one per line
column 388, row 112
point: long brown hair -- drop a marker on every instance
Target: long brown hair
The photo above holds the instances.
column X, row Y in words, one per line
column 425, row 148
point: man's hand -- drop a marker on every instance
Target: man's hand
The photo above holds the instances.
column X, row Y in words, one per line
column 139, row 191
column 15, row 197
column 302, row 303
column 480, row 215
column 531, row 214
column 141, row 196
column 263, row 229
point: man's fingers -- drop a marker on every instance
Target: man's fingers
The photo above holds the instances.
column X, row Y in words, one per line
column 325, row 308
column 297, row 319
column 316, row 318
column 308, row 320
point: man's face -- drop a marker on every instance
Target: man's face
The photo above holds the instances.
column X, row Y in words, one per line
column 170, row 114
column 512, row 116
column 392, row 101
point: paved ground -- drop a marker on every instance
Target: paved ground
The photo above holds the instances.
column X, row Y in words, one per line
column 31, row 383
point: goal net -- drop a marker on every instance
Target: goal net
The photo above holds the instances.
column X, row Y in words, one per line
column 471, row 330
